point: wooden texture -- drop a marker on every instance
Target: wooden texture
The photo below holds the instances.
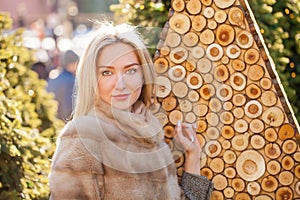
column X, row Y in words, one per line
column 214, row 70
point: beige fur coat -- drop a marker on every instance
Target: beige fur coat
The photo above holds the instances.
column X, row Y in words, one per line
column 116, row 155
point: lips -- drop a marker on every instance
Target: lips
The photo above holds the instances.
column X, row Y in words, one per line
column 121, row 97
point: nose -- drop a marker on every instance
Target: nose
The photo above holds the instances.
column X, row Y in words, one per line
column 120, row 85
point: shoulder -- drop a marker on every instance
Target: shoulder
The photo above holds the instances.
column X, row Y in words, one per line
column 69, row 130
column 74, row 152
column 66, row 76
column 83, row 126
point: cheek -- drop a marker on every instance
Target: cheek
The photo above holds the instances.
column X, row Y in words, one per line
column 135, row 82
column 105, row 87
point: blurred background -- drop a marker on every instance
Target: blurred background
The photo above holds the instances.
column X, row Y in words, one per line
column 52, row 26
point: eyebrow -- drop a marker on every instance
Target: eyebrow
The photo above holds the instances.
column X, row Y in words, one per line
column 126, row 66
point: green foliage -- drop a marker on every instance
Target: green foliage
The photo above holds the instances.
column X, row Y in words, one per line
column 277, row 19
column 280, row 28
column 146, row 14
column 27, row 121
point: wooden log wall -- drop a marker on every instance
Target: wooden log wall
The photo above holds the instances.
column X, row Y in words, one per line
column 215, row 70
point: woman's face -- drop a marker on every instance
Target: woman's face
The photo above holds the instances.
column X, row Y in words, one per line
column 120, row 75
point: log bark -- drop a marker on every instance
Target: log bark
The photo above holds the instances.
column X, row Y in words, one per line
column 286, row 131
column 285, row 193
column 253, row 91
column 269, row 184
column 198, row 52
column 253, row 188
column 256, row 126
column 227, row 132
column 190, row 39
column 178, row 5
column 289, row 146
column 220, row 182
column 208, row 12
column 272, row 150
column 178, row 55
column 238, row 81
column 207, row 91
column 185, row 105
column 269, row 98
column 273, row 167
column 229, row 157
column 217, row 165
column 180, row 23
column 224, row 3
column 177, row 73
column 230, row 172
column 198, row 23
column 238, row 65
column 169, row 103
column 190, row 65
column 251, row 56
column 221, row 73
column 193, row 7
column 180, row 89
column 200, row 110
column 238, row 184
column 175, row 116
column 207, row 37
column 173, row 39
column 256, row 72
column 194, row 80
column 257, row 141
column 212, row 133
column 236, row 17
column 220, row 16
column 225, row 34
column 244, row 39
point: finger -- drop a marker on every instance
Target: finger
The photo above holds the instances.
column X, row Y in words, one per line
column 186, row 131
column 178, row 130
column 194, row 125
column 179, row 127
column 189, row 131
column 184, row 142
column 189, row 126
column 179, row 137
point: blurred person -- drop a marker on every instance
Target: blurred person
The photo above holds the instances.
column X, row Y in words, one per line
column 62, row 86
column 41, row 69
column 114, row 148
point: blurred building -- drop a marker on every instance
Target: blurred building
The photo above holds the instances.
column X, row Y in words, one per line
column 78, row 12
column 52, row 25
column 26, row 12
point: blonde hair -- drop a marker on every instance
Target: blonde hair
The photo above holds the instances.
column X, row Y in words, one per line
column 86, row 75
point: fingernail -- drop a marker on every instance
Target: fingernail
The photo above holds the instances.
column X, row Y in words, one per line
column 178, row 123
column 195, row 126
column 192, row 138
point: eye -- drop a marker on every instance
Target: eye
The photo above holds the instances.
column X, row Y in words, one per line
column 131, row 71
column 106, row 73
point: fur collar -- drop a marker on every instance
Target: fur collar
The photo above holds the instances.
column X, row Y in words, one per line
column 126, row 141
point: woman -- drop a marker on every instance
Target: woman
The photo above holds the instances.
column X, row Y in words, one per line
column 114, row 147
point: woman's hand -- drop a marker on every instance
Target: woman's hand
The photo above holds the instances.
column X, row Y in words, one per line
column 185, row 136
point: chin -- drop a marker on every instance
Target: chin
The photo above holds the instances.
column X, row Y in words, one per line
column 122, row 105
